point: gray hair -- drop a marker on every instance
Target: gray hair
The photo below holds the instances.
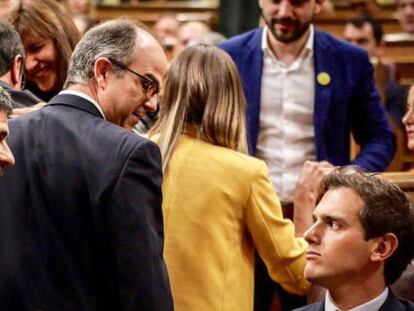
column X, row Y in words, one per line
column 5, row 101
column 11, row 46
column 115, row 39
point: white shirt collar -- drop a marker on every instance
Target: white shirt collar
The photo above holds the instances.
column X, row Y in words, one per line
column 307, row 49
column 87, row 97
column 372, row 305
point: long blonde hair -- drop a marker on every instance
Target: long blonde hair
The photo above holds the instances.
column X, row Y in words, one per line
column 203, row 90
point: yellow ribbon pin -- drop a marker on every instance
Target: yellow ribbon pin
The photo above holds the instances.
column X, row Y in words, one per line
column 323, row 78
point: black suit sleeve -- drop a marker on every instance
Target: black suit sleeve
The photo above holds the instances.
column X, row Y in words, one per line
column 136, row 225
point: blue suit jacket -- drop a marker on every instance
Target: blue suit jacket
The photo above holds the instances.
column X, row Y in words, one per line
column 350, row 102
column 392, row 303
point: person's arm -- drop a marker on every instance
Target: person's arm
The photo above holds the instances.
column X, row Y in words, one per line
column 306, row 193
column 369, row 123
column 274, row 236
column 136, row 226
column 22, row 111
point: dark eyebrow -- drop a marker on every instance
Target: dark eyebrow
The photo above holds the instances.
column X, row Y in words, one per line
column 327, row 218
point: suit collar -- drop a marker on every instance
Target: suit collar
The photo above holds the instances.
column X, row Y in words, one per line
column 76, row 102
column 391, row 303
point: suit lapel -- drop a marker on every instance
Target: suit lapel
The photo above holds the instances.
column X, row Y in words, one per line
column 251, row 71
column 392, row 303
column 323, row 58
column 76, row 102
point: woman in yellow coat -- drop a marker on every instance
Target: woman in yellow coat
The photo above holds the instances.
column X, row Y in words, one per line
column 219, row 204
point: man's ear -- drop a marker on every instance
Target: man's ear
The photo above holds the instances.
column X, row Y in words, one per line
column 384, row 247
column 101, row 70
column 15, row 72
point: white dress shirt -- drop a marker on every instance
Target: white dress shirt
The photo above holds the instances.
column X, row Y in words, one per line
column 87, row 97
column 372, row 305
column 286, row 135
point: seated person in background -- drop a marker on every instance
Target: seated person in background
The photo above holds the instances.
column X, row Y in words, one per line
column 165, row 30
column 49, row 37
column 11, row 70
column 405, row 11
column 368, row 34
column 79, row 9
column 188, row 31
column 409, row 120
column 360, row 242
column 219, row 205
column 6, row 156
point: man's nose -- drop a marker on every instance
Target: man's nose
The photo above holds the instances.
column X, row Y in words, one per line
column 152, row 104
column 285, row 8
column 311, row 235
column 6, row 156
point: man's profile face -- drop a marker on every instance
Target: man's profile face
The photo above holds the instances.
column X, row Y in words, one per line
column 337, row 252
column 289, row 19
column 125, row 94
column 6, row 156
column 362, row 37
column 406, row 11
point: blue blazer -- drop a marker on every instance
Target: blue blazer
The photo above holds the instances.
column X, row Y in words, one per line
column 350, row 102
column 392, row 303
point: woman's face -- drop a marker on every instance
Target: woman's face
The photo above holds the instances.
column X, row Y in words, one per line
column 40, row 62
column 408, row 119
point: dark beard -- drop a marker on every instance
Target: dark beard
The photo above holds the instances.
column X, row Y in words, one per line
column 296, row 34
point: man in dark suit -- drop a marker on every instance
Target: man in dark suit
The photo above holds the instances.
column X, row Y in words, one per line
column 80, row 214
column 6, row 156
column 360, row 242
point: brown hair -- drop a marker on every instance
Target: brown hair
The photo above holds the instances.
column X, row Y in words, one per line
column 202, row 90
column 48, row 19
column 386, row 210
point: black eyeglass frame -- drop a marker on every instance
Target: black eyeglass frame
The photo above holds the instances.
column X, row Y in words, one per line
column 150, row 87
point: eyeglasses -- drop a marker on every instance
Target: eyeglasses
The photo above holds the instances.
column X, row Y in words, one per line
column 151, row 87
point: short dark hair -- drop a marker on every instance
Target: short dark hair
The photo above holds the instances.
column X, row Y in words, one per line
column 5, row 102
column 360, row 21
column 386, row 210
column 11, row 46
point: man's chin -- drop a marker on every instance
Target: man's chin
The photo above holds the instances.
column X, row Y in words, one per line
column 290, row 36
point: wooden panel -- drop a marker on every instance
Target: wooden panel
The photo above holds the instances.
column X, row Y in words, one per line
column 334, row 24
column 149, row 12
column 404, row 180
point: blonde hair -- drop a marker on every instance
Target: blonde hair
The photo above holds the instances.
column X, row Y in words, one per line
column 202, row 90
